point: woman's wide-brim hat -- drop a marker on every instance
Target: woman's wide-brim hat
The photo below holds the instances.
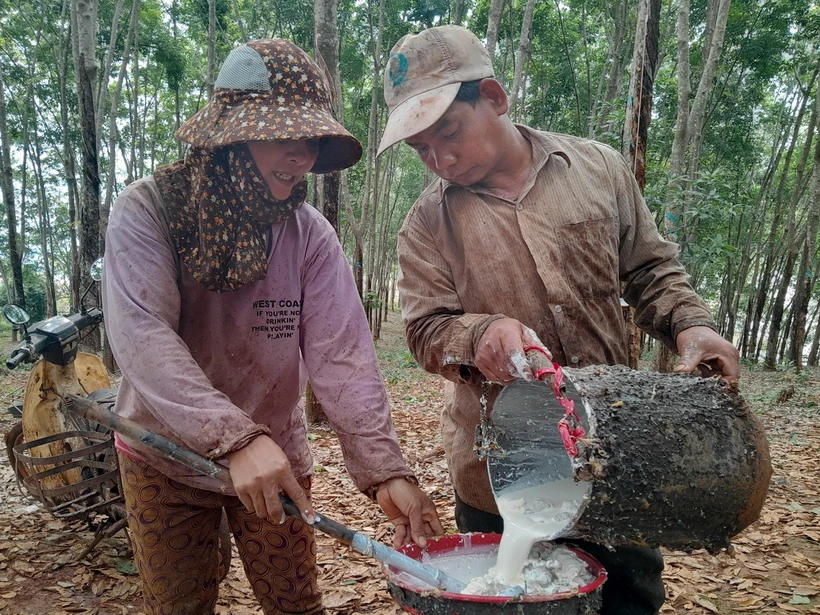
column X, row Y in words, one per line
column 271, row 90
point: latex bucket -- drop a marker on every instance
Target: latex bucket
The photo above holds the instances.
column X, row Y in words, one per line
column 413, row 598
column 668, row 460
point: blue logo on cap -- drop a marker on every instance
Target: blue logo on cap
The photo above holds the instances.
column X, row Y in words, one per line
column 398, row 69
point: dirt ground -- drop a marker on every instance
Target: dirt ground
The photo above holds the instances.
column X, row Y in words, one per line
column 772, row 567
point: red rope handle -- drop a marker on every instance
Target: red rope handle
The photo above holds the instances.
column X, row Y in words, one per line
column 569, row 426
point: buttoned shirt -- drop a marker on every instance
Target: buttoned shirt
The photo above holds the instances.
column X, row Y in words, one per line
column 558, row 259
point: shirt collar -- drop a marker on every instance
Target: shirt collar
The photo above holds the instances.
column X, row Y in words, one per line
column 544, row 145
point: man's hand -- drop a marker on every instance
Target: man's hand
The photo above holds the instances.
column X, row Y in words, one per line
column 702, row 349
column 500, row 353
column 259, row 471
column 410, row 510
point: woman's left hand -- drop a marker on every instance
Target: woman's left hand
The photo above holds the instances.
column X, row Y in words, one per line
column 410, row 510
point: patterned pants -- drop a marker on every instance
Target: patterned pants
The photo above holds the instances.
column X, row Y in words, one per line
column 175, row 534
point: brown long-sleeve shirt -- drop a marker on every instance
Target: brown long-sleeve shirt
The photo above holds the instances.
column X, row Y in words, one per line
column 554, row 260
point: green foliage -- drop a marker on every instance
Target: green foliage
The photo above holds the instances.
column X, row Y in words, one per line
column 769, row 54
column 35, row 288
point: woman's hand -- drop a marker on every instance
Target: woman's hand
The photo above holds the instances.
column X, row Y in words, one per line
column 410, row 510
column 259, row 471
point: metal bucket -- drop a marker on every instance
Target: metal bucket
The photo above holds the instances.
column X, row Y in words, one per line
column 414, row 599
column 668, row 459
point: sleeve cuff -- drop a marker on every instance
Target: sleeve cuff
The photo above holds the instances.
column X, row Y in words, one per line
column 689, row 323
column 240, row 440
column 373, row 490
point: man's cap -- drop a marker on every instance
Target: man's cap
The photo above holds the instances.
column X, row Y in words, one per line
column 271, row 90
column 423, row 76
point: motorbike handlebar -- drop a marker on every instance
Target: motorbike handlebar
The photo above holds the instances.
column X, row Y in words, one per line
column 19, row 356
column 38, row 339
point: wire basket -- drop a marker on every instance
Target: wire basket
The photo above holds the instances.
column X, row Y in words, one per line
column 95, row 462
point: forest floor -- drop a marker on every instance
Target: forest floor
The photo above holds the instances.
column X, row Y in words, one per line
column 772, row 567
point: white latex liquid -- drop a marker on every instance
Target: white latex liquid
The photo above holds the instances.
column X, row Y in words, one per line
column 533, row 515
column 462, row 564
column 550, row 569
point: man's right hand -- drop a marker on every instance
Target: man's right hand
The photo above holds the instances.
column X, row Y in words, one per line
column 500, row 354
column 258, row 471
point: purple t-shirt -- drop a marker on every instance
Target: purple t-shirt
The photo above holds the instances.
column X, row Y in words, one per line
column 214, row 370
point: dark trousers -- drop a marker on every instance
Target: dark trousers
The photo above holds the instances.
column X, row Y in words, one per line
column 633, row 586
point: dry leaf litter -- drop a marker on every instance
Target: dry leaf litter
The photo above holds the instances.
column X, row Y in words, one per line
column 772, row 567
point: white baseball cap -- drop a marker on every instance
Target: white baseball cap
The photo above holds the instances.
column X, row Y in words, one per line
column 423, row 76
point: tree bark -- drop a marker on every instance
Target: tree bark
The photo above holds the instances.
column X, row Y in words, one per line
column 674, row 206
column 458, row 14
column 697, row 115
column 112, row 121
column 689, row 139
column 68, row 156
column 493, row 23
column 102, row 87
column 815, row 343
column 521, row 58
column 7, row 185
column 45, row 228
column 370, row 192
column 638, row 117
column 805, row 274
column 770, row 359
column 86, row 73
column 211, row 77
column 615, row 51
column 326, row 44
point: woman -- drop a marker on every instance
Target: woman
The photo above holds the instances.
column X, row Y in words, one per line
column 223, row 293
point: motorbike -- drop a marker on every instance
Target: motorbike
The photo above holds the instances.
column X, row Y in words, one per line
column 67, row 463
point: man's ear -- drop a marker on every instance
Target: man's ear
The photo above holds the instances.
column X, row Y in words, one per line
column 495, row 95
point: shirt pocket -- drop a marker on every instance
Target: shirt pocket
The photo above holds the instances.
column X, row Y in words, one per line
column 589, row 257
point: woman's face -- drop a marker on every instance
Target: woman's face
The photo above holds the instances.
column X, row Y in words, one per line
column 284, row 164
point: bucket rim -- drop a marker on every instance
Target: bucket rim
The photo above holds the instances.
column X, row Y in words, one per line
column 453, row 541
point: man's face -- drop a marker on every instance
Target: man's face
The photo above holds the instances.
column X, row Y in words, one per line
column 462, row 145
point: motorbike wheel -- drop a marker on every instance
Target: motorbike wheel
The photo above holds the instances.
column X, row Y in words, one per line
column 13, row 438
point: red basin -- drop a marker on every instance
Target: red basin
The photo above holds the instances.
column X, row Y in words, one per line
column 413, row 599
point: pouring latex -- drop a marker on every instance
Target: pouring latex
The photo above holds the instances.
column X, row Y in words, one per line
column 535, row 425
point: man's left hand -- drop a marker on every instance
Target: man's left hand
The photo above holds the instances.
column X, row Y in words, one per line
column 700, row 348
column 410, row 510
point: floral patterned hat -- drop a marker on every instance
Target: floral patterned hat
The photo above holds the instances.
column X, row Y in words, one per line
column 270, row 90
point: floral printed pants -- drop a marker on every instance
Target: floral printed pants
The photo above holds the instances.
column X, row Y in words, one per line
column 175, row 533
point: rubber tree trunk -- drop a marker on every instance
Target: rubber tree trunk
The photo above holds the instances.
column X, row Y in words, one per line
column 70, row 167
column 211, row 77
column 7, row 185
column 326, row 44
column 790, row 238
column 458, row 13
column 85, row 20
column 520, row 58
column 493, row 23
column 638, row 118
column 807, row 273
column 371, row 179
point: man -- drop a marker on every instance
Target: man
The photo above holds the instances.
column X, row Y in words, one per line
column 525, row 238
